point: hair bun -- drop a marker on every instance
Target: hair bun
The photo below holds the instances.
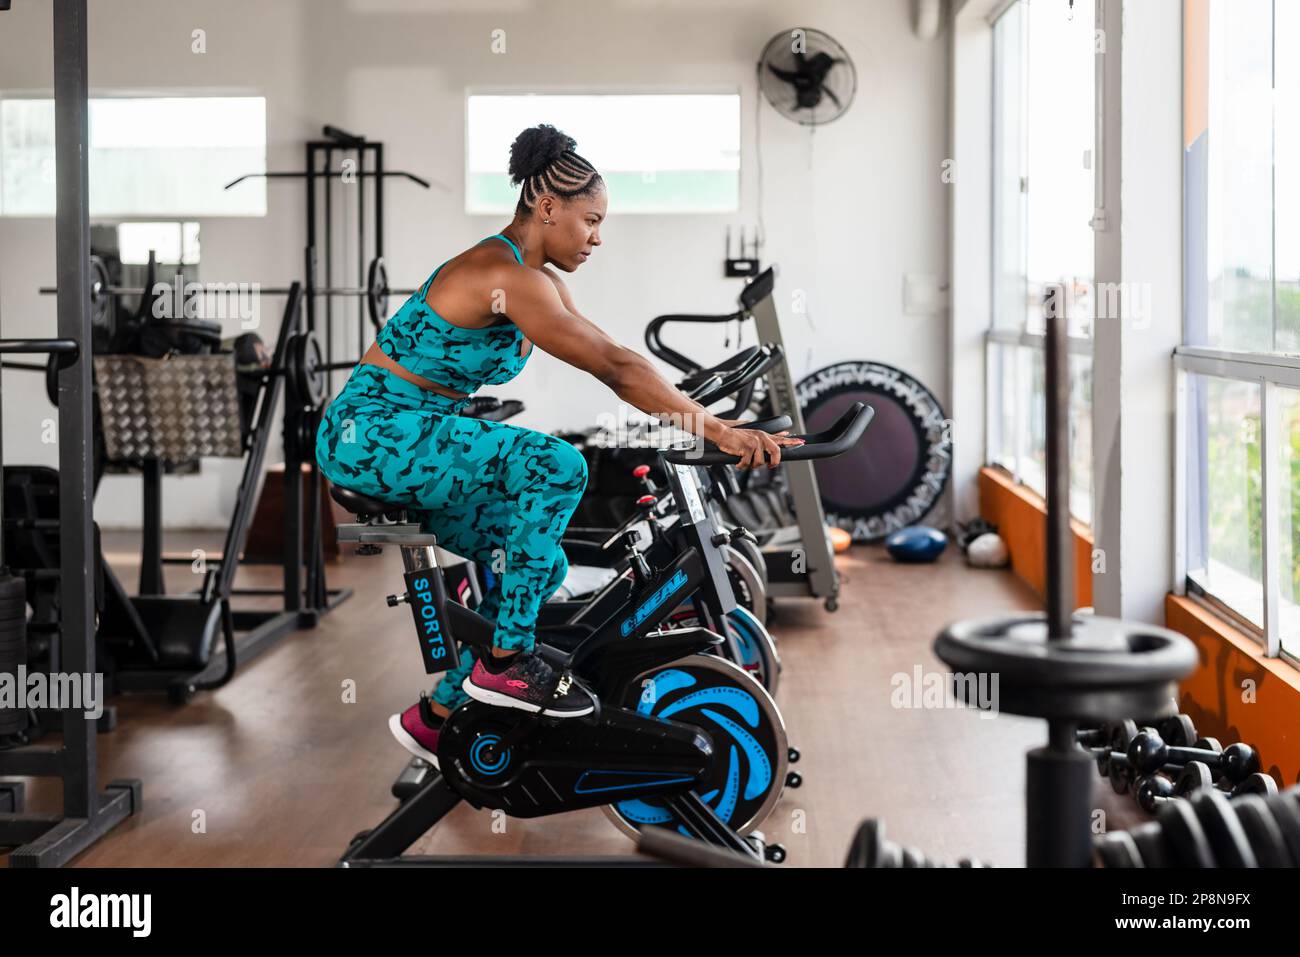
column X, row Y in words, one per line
column 537, row 148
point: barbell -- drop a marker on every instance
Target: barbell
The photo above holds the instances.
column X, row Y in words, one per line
column 375, row 292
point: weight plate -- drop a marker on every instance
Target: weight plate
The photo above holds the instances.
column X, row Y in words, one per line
column 1195, row 776
column 1104, row 668
column 1152, row 845
column 1185, row 835
column 1118, row 849
column 103, row 307
column 1226, row 835
column 303, row 360
column 1178, row 731
column 377, row 292
column 1257, row 783
column 1287, row 815
column 1262, row 831
column 897, row 473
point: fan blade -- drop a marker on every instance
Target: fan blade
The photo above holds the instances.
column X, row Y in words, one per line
column 787, row 75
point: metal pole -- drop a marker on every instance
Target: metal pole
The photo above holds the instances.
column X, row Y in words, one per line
column 76, row 496
column 361, row 246
column 329, row 260
column 1060, row 549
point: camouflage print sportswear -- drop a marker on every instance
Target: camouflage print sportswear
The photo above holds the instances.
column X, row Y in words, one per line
column 494, row 493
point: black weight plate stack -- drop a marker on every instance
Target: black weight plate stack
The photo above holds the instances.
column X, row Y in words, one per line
column 1186, row 836
column 13, row 645
column 1226, row 835
column 897, row 473
column 1262, row 831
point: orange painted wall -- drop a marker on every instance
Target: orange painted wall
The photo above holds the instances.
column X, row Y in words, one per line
column 1268, row 717
column 1233, row 668
column 1021, row 518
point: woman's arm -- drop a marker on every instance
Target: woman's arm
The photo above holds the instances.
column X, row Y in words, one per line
column 540, row 306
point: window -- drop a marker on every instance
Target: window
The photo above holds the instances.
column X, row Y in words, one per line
column 669, row 153
column 149, row 156
column 1043, row 201
column 1239, row 375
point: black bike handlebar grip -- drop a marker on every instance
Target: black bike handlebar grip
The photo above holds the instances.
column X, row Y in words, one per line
column 836, row 440
column 772, row 425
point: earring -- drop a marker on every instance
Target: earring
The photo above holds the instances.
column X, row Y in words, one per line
column 546, row 221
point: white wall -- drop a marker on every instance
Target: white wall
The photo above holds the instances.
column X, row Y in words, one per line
column 849, row 209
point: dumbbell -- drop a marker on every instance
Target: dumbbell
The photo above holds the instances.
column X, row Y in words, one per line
column 1147, row 753
column 1153, row 790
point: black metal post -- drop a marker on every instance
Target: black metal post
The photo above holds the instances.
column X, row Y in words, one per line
column 1058, row 780
column 151, row 564
column 1060, row 551
column 76, row 479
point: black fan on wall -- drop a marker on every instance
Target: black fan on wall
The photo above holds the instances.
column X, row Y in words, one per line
column 806, row 76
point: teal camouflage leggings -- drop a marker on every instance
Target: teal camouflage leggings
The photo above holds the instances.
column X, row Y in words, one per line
column 493, row 493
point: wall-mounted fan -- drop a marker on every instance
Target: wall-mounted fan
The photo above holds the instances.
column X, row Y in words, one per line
column 806, row 76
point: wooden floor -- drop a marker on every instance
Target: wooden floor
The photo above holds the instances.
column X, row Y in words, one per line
column 281, row 771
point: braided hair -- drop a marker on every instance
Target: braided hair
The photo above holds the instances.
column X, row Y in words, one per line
column 542, row 160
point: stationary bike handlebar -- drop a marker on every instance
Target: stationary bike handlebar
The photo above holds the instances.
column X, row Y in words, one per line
column 655, row 343
column 836, row 440
column 734, row 380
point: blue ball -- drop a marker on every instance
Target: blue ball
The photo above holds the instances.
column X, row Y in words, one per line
column 920, row 543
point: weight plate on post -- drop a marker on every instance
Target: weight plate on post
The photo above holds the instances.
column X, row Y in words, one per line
column 103, row 306
column 303, row 371
column 1104, row 669
column 377, row 292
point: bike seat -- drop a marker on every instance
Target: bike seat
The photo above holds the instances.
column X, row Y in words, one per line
column 363, row 506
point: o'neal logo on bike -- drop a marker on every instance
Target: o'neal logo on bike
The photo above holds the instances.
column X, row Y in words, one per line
column 427, row 598
column 651, row 604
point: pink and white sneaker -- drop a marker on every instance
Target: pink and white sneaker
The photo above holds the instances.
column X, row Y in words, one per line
column 417, row 729
column 528, row 682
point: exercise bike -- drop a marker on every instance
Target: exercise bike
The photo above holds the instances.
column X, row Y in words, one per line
column 679, row 738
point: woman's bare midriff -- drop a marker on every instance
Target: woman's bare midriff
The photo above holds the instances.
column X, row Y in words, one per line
column 376, row 356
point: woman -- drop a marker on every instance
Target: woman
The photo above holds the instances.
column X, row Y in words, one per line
column 491, row 492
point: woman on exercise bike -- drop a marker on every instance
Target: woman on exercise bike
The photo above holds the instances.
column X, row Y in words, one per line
column 496, row 493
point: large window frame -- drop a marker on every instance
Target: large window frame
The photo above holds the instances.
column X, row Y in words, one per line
column 1271, row 372
column 1025, row 344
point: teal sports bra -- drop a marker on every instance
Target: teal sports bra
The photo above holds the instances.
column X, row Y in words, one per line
column 426, row 344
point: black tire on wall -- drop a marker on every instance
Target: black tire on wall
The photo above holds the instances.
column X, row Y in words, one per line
column 898, row 472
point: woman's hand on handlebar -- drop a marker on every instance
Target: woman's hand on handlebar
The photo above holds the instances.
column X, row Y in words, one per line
column 754, row 448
